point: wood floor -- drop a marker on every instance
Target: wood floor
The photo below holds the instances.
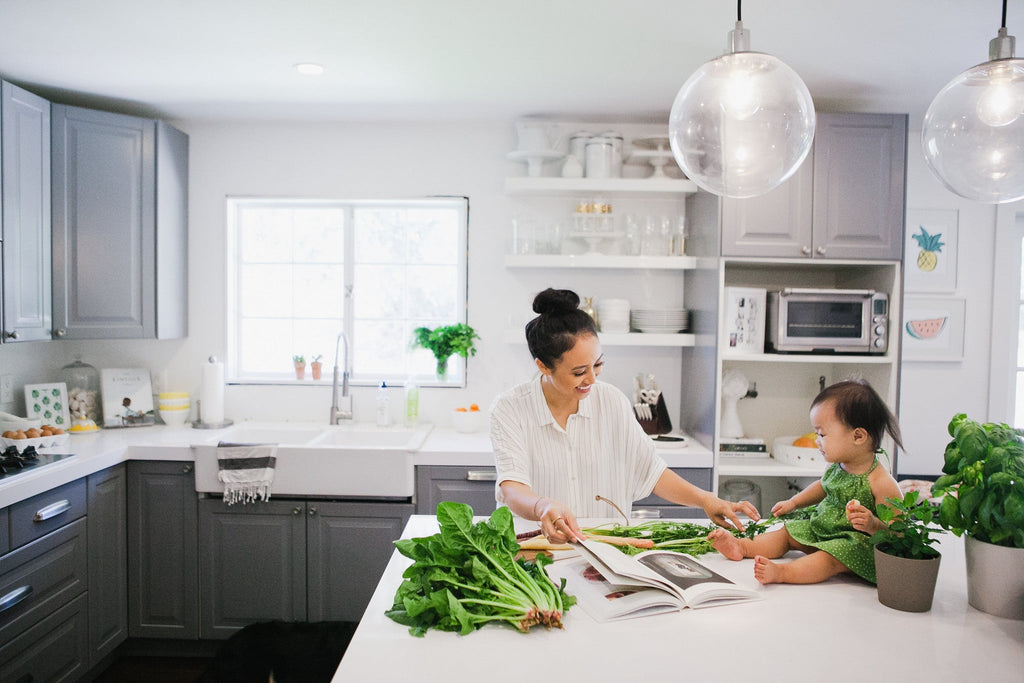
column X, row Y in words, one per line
column 155, row 670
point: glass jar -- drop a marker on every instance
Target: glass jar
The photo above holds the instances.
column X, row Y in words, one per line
column 83, row 382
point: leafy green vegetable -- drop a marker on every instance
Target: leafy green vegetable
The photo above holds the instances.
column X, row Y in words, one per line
column 909, row 529
column 687, row 537
column 447, row 340
column 983, row 479
column 466, row 575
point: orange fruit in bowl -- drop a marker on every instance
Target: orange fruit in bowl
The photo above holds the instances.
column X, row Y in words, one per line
column 808, row 440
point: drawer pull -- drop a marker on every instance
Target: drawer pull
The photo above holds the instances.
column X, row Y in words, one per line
column 14, row 597
column 646, row 513
column 52, row 510
column 481, row 475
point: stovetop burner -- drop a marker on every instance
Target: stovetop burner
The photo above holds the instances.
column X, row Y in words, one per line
column 12, row 462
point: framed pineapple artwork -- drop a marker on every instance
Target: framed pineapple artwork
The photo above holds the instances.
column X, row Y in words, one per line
column 930, row 252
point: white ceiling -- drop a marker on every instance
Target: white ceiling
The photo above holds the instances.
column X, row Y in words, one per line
column 428, row 59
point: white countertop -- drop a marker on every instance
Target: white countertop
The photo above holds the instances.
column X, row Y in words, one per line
column 836, row 631
column 95, row 451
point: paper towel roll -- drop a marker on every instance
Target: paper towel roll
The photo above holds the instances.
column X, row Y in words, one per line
column 211, row 392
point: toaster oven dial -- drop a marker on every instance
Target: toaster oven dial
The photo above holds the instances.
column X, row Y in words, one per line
column 879, row 343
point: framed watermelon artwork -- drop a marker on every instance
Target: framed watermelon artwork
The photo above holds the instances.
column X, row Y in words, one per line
column 933, row 328
column 930, row 250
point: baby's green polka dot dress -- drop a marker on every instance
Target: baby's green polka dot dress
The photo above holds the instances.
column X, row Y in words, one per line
column 828, row 529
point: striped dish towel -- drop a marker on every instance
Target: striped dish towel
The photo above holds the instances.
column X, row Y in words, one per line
column 246, row 470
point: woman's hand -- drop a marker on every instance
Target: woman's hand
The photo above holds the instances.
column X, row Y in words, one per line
column 557, row 522
column 719, row 511
column 783, row 507
column 861, row 518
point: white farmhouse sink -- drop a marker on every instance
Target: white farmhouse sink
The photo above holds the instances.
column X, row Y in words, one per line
column 358, row 460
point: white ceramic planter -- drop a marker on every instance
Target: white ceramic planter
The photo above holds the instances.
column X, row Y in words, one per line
column 995, row 579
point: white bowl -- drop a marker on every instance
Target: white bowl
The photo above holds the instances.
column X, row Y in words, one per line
column 174, row 418
column 467, row 421
column 784, row 451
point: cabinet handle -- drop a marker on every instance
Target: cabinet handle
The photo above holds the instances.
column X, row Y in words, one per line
column 481, row 475
column 805, row 250
column 11, row 335
column 296, row 511
column 186, row 469
column 821, row 251
column 646, row 513
column 14, row 597
column 59, row 332
column 312, row 511
column 51, row 511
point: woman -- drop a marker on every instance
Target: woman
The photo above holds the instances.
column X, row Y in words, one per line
column 565, row 438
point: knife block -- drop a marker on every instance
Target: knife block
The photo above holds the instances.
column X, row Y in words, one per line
column 660, row 423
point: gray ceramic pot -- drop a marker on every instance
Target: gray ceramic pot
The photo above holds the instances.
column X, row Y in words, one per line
column 906, row 584
column 995, row 578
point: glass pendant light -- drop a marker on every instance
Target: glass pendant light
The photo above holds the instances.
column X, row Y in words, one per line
column 973, row 133
column 742, row 123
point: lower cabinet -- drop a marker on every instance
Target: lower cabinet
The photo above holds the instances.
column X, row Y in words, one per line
column 163, row 579
column 475, row 487
column 107, row 521
column 471, row 485
column 54, row 650
column 291, row 560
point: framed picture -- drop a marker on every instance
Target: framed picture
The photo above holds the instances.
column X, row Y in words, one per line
column 49, row 403
column 744, row 320
column 933, row 328
column 127, row 397
column 930, row 250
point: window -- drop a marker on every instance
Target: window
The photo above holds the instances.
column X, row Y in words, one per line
column 302, row 271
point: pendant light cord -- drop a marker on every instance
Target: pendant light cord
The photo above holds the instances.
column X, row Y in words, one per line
column 739, row 11
column 1004, row 13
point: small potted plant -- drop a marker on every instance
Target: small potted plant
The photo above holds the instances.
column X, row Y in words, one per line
column 300, row 366
column 445, row 342
column 316, row 366
column 983, row 483
column 906, row 564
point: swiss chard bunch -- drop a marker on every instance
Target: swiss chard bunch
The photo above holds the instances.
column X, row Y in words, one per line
column 983, row 479
column 909, row 525
column 467, row 575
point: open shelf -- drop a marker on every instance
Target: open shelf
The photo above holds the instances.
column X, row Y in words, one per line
column 635, row 186
column 835, row 359
column 625, row 339
column 600, row 261
column 763, row 467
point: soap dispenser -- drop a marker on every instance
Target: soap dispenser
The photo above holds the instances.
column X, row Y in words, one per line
column 383, row 406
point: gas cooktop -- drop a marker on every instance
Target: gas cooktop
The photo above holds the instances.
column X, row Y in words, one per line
column 13, row 463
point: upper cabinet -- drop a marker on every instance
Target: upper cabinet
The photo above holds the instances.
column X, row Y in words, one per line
column 25, row 222
column 847, row 200
column 120, row 191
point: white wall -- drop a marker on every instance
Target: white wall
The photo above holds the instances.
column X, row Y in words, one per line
column 933, row 392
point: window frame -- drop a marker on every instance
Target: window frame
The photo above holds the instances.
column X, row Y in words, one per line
column 458, row 367
column 1006, row 312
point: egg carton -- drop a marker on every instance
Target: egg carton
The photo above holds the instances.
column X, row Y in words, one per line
column 38, row 442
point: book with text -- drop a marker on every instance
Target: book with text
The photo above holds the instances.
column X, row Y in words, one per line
column 609, row 584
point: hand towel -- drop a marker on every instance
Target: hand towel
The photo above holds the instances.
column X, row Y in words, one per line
column 246, row 470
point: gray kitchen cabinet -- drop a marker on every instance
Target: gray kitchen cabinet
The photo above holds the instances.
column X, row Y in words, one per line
column 292, row 560
column 847, row 200
column 252, row 564
column 655, row 507
column 163, row 578
column 108, row 561
column 25, row 219
column 471, row 485
column 348, row 546
column 120, row 194
column 54, row 650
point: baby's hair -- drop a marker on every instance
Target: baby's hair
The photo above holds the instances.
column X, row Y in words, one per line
column 558, row 323
column 857, row 404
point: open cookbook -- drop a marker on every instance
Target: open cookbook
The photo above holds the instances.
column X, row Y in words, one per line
column 609, row 584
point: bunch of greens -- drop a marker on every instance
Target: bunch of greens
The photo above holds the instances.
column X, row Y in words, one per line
column 467, row 575
column 908, row 531
column 687, row 537
column 446, row 341
column 983, row 477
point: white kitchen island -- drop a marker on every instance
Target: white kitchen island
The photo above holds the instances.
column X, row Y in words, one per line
column 835, row 631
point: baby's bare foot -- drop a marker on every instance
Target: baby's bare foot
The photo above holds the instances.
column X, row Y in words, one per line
column 766, row 571
column 724, row 542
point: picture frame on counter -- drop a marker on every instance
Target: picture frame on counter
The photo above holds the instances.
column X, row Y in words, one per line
column 49, row 403
column 127, row 397
column 933, row 328
column 930, row 251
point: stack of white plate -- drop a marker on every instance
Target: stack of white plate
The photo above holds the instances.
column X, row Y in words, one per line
column 663, row 320
column 613, row 315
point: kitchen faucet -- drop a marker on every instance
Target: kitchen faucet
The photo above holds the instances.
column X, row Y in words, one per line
column 344, row 410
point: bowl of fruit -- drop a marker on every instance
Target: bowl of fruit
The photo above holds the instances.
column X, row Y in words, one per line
column 798, row 450
column 468, row 419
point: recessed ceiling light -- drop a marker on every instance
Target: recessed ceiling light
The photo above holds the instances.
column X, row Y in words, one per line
column 309, row 69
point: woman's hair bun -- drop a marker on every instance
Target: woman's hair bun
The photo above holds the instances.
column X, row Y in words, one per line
column 555, row 301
